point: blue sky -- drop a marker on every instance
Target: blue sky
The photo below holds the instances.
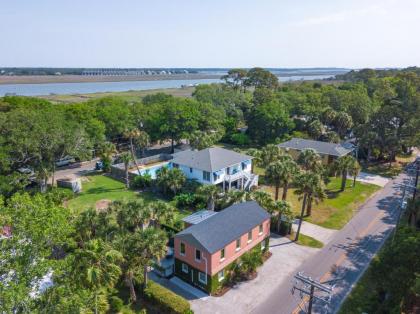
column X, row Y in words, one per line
column 210, row 33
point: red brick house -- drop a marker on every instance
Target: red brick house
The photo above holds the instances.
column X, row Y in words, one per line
column 204, row 251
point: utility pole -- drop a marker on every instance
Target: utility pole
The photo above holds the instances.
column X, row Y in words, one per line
column 416, row 181
column 401, row 209
column 306, row 286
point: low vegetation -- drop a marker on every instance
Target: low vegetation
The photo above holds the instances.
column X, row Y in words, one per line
column 306, row 240
column 166, row 300
column 391, row 284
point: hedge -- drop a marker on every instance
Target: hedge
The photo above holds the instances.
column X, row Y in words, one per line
column 166, row 300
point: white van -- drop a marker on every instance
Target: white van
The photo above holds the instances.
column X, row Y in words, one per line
column 65, row 161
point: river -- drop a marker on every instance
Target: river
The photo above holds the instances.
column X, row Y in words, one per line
column 98, row 87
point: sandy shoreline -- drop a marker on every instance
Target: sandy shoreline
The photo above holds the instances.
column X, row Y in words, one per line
column 45, row 79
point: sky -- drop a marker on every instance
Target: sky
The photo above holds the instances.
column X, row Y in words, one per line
column 210, row 33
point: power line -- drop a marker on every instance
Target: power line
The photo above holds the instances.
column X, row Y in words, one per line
column 307, row 286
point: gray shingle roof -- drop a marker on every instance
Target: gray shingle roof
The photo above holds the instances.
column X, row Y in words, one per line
column 209, row 159
column 219, row 230
column 320, row 147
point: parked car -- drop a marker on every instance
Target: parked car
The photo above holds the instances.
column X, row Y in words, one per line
column 65, row 161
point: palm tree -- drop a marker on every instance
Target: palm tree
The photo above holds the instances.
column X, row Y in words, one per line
column 264, row 199
column 132, row 215
column 316, row 194
column 310, row 160
column 143, row 140
column 273, row 174
column 289, row 171
column 161, row 211
column 126, row 158
column 233, row 197
column 106, row 151
column 161, row 178
column 306, row 183
column 270, row 153
column 175, row 180
column 153, row 247
column 280, row 209
column 250, row 261
column 210, row 193
column 343, row 165
column 132, row 136
column 97, row 265
column 256, row 160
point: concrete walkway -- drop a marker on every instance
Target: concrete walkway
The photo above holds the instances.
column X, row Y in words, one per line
column 371, row 178
column 320, row 233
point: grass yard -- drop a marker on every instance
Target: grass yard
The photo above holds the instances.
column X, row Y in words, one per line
column 338, row 208
column 307, row 241
column 100, row 187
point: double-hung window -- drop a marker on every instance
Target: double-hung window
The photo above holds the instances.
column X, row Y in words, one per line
column 221, row 275
column 206, row 176
column 198, row 255
column 260, row 229
column 250, row 236
column 202, row 277
column 184, row 268
column 238, row 244
column 222, row 254
column 182, row 249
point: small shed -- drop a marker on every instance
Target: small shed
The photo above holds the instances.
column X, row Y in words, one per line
column 75, row 184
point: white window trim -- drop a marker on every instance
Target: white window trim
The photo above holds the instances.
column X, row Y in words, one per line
column 218, row 276
column 180, row 251
column 261, row 232
column 249, row 240
column 195, row 257
column 222, row 258
column 184, row 268
column 238, row 248
column 199, row 278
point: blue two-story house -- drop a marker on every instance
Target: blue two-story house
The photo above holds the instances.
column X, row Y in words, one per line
column 218, row 166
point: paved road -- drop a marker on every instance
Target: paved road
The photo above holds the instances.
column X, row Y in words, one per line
column 75, row 170
column 343, row 260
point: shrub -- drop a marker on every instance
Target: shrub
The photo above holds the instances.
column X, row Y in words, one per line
column 142, row 181
column 106, row 164
column 185, row 200
column 240, row 139
column 59, row 195
column 166, row 300
column 116, row 304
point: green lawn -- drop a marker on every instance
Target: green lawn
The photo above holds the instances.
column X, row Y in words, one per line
column 339, row 207
column 307, row 241
column 100, row 187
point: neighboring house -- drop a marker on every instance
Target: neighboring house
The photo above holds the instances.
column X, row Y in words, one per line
column 216, row 166
column 328, row 151
column 205, row 252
